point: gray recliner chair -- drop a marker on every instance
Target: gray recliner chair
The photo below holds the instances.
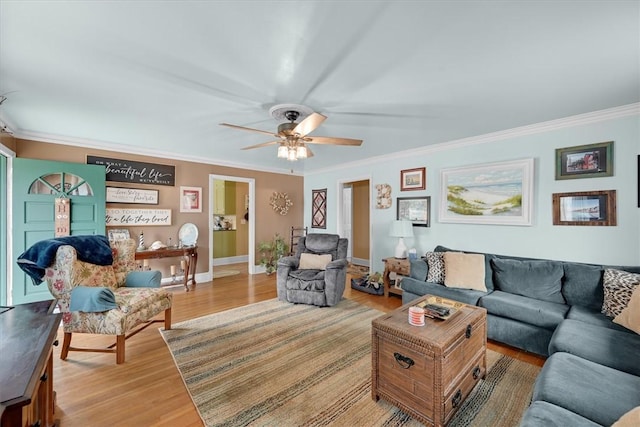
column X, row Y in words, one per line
column 313, row 284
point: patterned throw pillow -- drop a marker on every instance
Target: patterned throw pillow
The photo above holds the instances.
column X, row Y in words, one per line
column 435, row 261
column 618, row 287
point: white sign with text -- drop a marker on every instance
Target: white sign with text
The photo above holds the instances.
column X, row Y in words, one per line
column 138, row 217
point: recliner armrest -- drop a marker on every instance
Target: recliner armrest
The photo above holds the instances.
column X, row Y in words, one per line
column 337, row 264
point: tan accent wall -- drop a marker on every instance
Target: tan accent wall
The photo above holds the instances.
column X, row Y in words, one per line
column 268, row 222
column 360, row 223
column 8, row 141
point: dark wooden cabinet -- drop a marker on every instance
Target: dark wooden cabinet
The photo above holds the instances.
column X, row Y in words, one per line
column 27, row 334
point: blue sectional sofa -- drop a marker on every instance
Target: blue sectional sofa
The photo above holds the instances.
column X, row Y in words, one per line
column 553, row 308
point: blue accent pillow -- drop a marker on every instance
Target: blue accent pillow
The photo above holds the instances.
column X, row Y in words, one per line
column 541, row 280
column 91, row 299
column 143, row 279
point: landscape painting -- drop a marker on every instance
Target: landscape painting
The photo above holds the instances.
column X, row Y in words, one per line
column 496, row 193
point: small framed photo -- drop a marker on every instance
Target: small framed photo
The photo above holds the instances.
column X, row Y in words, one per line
column 585, row 161
column 414, row 209
column 191, row 199
column 118, row 234
column 413, row 179
column 585, row 208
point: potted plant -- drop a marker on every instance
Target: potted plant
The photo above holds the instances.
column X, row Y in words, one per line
column 271, row 251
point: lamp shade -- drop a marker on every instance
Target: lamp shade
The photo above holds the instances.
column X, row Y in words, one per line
column 401, row 229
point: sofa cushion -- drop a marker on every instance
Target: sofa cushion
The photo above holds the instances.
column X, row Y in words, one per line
column 629, row 317
column 314, row 262
column 418, row 287
column 464, row 271
column 596, row 392
column 435, row 261
column 535, row 279
column 535, row 312
column 630, row 419
column 618, row 287
column 582, row 285
column 320, row 243
column 545, row 414
column 615, row 349
column 592, row 317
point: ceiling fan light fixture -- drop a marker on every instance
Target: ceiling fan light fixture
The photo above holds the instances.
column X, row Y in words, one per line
column 292, row 155
column 283, row 151
column 301, row 152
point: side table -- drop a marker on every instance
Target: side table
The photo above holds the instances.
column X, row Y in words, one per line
column 399, row 266
column 188, row 253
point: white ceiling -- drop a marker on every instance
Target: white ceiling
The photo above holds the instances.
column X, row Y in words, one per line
column 136, row 76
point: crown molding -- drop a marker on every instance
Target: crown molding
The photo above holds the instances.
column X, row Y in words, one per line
column 542, row 127
column 101, row 145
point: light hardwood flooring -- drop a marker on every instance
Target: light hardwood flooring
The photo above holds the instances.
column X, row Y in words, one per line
column 147, row 390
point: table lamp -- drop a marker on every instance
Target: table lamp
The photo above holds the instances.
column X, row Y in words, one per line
column 401, row 229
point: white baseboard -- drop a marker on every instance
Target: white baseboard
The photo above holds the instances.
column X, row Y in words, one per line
column 230, row 260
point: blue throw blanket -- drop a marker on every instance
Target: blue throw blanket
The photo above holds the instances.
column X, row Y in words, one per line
column 91, row 249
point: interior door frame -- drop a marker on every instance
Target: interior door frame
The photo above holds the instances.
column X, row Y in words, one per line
column 6, row 236
column 339, row 203
column 252, row 218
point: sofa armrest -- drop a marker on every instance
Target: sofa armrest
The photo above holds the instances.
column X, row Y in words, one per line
column 419, row 269
column 143, row 279
column 337, row 264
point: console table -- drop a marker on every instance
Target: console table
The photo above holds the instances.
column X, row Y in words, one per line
column 27, row 334
column 188, row 253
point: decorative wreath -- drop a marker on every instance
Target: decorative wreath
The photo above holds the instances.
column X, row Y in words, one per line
column 280, row 203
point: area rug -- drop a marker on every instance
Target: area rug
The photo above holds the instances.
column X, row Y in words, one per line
column 218, row 274
column 279, row 364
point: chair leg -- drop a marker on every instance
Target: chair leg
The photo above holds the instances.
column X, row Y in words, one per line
column 167, row 319
column 66, row 343
column 120, row 349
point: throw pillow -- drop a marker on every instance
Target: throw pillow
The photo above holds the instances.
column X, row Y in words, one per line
column 464, row 271
column 435, row 273
column 618, row 286
column 92, row 299
column 629, row 317
column 536, row 279
column 314, row 262
column 630, row 419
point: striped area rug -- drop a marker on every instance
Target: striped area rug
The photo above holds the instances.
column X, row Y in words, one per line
column 279, row 364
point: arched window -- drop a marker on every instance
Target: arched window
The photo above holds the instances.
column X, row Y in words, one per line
column 61, row 184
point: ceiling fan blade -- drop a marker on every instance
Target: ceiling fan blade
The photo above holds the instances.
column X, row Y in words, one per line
column 309, row 124
column 327, row 140
column 264, row 144
column 250, row 129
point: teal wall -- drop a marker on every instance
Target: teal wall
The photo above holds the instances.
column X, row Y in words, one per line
column 606, row 245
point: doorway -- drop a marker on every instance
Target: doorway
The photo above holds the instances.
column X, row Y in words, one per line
column 354, row 218
column 240, row 225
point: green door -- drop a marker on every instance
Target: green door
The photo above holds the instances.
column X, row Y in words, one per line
column 36, row 185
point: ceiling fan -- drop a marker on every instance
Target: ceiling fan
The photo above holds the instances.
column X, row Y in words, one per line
column 292, row 137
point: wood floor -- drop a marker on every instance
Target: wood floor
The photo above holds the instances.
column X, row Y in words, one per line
column 147, row 389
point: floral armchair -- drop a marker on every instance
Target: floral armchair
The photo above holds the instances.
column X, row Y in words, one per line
column 134, row 305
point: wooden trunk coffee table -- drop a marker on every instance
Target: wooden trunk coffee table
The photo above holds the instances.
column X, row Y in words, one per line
column 428, row 371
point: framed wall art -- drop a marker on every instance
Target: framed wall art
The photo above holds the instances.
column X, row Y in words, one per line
column 585, row 208
column 493, row 193
column 191, row 199
column 414, row 209
column 115, row 217
column 585, row 161
column 413, row 179
column 118, row 234
column 319, row 208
